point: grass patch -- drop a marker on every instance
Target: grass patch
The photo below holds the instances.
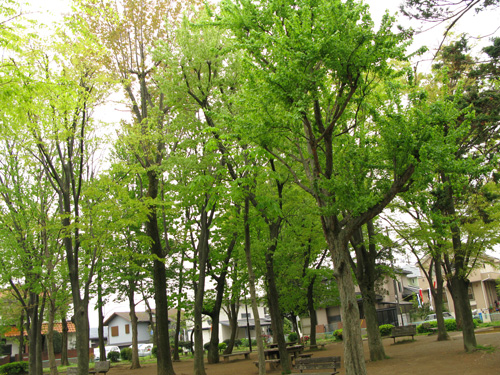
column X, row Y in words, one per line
column 487, row 348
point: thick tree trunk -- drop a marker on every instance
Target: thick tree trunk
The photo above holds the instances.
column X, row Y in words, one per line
column 354, row 358
column 164, row 360
column 33, row 332
column 253, row 293
column 366, row 274
column 463, row 305
column 375, row 346
column 50, row 339
column 64, row 346
column 82, row 333
column 133, row 322
column 21, row 336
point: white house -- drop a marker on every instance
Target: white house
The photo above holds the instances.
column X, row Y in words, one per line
column 120, row 328
column 244, row 312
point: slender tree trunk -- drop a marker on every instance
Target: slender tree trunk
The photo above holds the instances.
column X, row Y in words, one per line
column 179, row 300
column 33, row 332
column 253, row 293
column 312, row 312
column 199, row 366
column 100, row 314
column 21, row 336
column 164, row 359
column 133, row 322
column 438, row 298
column 232, row 314
column 152, row 321
column 50, row 339
column 64, row 348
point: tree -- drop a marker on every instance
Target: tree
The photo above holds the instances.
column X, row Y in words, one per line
column 440, row 11
column 310, row 67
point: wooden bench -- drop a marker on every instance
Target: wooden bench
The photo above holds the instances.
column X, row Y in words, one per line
column 403, row 331
column 319, row 363
column 273, row 364
column 428, row 327
column 101, row 367
column 226, row 356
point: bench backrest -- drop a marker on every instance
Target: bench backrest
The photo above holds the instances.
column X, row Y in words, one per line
column 318, row 363
column 404, row 330
column 102, row 366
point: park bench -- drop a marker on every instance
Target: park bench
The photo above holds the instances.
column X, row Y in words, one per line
column 428, row 327
column 403, row 331
column 101, row 367
column 226, row 356
column 273, row 363
column 319, row 363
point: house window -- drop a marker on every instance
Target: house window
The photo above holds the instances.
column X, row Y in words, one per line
column 114, row 331
column 244, row 316
column 471, row 293
column 127, row 328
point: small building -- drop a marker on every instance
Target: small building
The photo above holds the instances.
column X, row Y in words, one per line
column 119, row 329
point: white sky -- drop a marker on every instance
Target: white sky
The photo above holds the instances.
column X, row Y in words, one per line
column 484, row 23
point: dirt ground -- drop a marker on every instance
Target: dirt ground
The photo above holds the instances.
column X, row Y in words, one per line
column 423, row 356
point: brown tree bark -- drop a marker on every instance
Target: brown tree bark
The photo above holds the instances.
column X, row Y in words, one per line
column 232, row 314
column 64, row 348
column 133, row 322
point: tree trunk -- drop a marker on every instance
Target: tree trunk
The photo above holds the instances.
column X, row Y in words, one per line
column 366, row 274
column 253, row 294
column 100, row 314
column 179, row 300
column 438, row 298
column 133, row 322
column 375, row 345
column 82, row 333
column 50, row 339
column 33, row 332
column 312, row 312
column 354, row 358
column 164, row 360
column 273, row 298
column 21, row 336
column 64, row 338
column 463, row 305
column 199, row 366
column 232, row 314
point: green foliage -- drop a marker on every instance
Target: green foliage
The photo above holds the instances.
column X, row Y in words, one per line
column 126, row 354
column 222, row 346
column 385, row 329
column 154, row 351
column 14, row 368
column 206, row 345
column 57, row 342
column 338, row 334
column 114, row 356
column 292, row 337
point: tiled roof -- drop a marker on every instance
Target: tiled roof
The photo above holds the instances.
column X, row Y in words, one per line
column 13, row 331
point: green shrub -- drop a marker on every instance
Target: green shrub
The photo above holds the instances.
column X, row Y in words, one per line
column 57, row 343
column 114, row 356
column 222, row 346
column 154, row 352
column 244, row 342
column 450, row 324
column 14, row 368
column 338, row 334
column 126, row 354
column 292, row 337
column 421, row 329
column 385, row 329
column 206, row 345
